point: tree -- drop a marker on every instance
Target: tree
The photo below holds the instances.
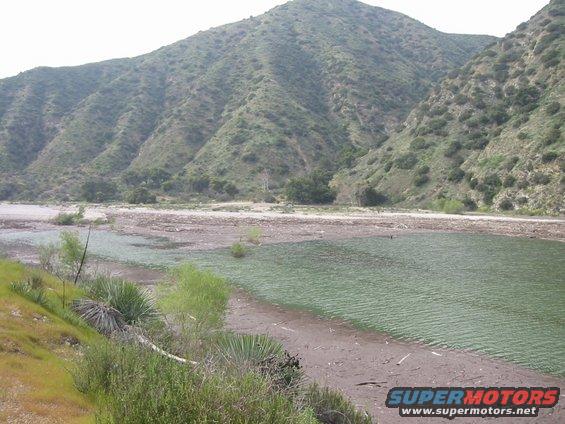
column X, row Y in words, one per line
column 311, row 189
column 141, row 195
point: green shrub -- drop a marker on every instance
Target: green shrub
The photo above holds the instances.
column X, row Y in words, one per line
column 456, row 175
column 406, row 161
column 506, row 204
column 552, row 136
column 98, row 190
column 368, row 196
column 310, row 189
column 453, row 147
column 136, row 385
column 419, row 143
column 450, row 206
column 71, row 252
column 549, row 156
column 198, row 299
column 254, row 234
column 252, row 348
column 509, row 181
column 540, row 178
column 420, row 180
column 469, row 204
column 238, row 250
column 141, row 195
column 134, row 303
column 64, row 218
column 331, row 407
column 552, row 108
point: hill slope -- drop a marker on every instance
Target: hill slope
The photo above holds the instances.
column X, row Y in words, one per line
column 283, row 92
column 489, row 135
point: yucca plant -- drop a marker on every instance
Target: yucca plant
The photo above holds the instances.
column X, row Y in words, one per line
column 104, row 318
column 251, row 348
column 134, row 303
column 30, row 291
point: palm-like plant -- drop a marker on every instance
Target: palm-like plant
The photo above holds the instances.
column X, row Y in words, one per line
column 135, row 304
column 104, row 318
column 250, row 348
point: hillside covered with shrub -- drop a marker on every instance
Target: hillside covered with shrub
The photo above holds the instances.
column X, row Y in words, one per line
column 236, row 109
column 490, row 135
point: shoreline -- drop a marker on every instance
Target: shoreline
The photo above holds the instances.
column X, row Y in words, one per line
column 364, row 364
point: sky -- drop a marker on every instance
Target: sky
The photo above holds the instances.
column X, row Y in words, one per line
column 72, row 32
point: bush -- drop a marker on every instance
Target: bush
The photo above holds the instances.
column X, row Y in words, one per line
column 549, row 156
column 406, row 161
column 238, row 250
column 248, row 348
column 64, row 218
column 469, row 204
column 134, row 303
column 420, row 180
column 98, row 191
column 452, row 148
column 254, row 234
column 70, row 252
column 456, row 175
column 552, row 136
column 310, row 189
column 136, row 385
column 540, row 178
column 506, row 204
column 419, row 143
column 331, row 407
column 451, row 206
column 198, row 299
column 368, row 196
column 141, row 195
column 552, row 108
column 509, row 181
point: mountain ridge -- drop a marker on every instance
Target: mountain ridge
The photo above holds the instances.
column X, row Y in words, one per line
column 278, row 94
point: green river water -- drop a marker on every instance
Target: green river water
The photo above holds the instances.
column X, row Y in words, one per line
column 498, row 295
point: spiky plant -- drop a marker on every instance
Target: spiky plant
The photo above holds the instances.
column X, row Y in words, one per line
column 251, row 348
column 134, row 303
column 104, row 318
column 30, row 291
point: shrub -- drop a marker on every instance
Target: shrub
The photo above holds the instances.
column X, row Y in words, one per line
column 48, row 256
column 198, row 297
column 254, row 234
column 540, row 178
column 250, row 348
column 136, row 385
column 420, row 180
column 552, row 136
column 331, row 407
column 549, row 156
column 456, row 175
column 134, row 303
column 368, row 196
column 552, row 108
column 406, row 161
column 506, row 204
column 424, row 169
column 310, row 189
column 64, row 218
column 70, row 252
column 141, row 195
column 419, row 143
column 452, row 148
column 238, row 250
column 98, row 191
column 509, row 181
column 469, row 204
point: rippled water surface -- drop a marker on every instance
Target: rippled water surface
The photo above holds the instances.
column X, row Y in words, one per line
column 499, row 295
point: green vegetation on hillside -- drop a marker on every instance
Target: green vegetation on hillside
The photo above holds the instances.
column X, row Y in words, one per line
column 490, row 135
column 233, row 111
column 185, row 368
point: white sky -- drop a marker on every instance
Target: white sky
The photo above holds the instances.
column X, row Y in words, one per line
column 71, row 32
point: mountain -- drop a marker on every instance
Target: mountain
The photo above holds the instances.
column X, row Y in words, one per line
column 488, row 136
column 310, row 83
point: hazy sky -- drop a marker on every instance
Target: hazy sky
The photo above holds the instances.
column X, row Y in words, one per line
column 72, row 32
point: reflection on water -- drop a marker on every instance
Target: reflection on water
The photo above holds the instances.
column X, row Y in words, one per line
column 499, row 295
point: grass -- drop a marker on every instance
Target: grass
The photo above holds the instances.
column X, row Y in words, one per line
column 254, row 235
column 136, row 385
column 66, row 218
column 36, row 344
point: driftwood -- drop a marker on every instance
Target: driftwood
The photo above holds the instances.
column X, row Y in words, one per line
column 146, row 342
